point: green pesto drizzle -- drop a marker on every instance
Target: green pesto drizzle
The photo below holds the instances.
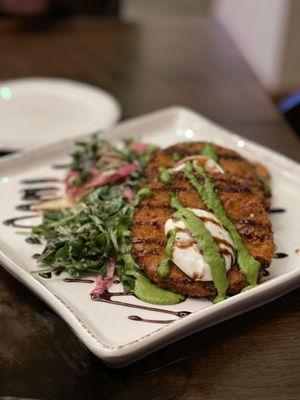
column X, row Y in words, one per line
column 206, row 244
column 163, row 269
column 170, row 243
column 146, row 290
column 245, row 289
column 248, row 265
column 144, row 192
column 165, row 175
column 264, row 183
column 209, row 151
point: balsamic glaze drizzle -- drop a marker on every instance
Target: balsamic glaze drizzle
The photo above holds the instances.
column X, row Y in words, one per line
column 106, row 298
column 36, row 256
column 80, row 280
column 277, row 210
column 24, row 207
column 38, row 193
column 12, row 221
column 46, row 275
column 60, row 166
column 153, row 321
column 280, row 255
column 39, row 180
column 33, row 240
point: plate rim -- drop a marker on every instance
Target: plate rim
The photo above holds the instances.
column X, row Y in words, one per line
column 118, row 355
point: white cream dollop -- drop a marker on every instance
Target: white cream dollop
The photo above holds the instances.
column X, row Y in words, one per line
column 186, row 254
column 207, row 163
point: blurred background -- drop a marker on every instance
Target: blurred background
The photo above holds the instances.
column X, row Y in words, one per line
column 266, row 32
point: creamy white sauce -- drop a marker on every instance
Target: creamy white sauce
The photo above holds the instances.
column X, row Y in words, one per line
column 188, row 257
column 208, row 164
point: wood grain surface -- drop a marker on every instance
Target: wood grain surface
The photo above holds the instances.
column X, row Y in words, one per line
column 188, row 62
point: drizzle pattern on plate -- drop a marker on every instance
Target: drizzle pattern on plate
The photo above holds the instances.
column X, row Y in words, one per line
column 40, row 195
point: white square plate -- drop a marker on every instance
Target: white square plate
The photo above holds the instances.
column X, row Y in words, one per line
column 105, row 328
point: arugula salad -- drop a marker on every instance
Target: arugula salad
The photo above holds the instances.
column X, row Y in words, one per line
column 90, row 231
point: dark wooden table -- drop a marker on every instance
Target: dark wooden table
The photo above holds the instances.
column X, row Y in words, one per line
column 189, row 62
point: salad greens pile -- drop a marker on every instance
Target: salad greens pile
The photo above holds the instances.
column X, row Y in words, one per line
column 84, row 237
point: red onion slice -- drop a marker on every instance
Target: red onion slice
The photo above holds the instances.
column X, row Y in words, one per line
column 121, row 173
column 103, row 284
column 139, row 147
column 128, row 194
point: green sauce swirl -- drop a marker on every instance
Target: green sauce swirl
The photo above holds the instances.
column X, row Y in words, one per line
column 163, row 266
column 248, row 265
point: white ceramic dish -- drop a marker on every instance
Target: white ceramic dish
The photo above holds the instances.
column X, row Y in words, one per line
column 105, row 328
column 40, row 111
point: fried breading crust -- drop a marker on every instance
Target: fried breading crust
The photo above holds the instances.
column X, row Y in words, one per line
column 244, row 203
column 229, row 160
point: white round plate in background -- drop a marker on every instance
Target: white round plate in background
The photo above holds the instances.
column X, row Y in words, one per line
column 38, row 111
